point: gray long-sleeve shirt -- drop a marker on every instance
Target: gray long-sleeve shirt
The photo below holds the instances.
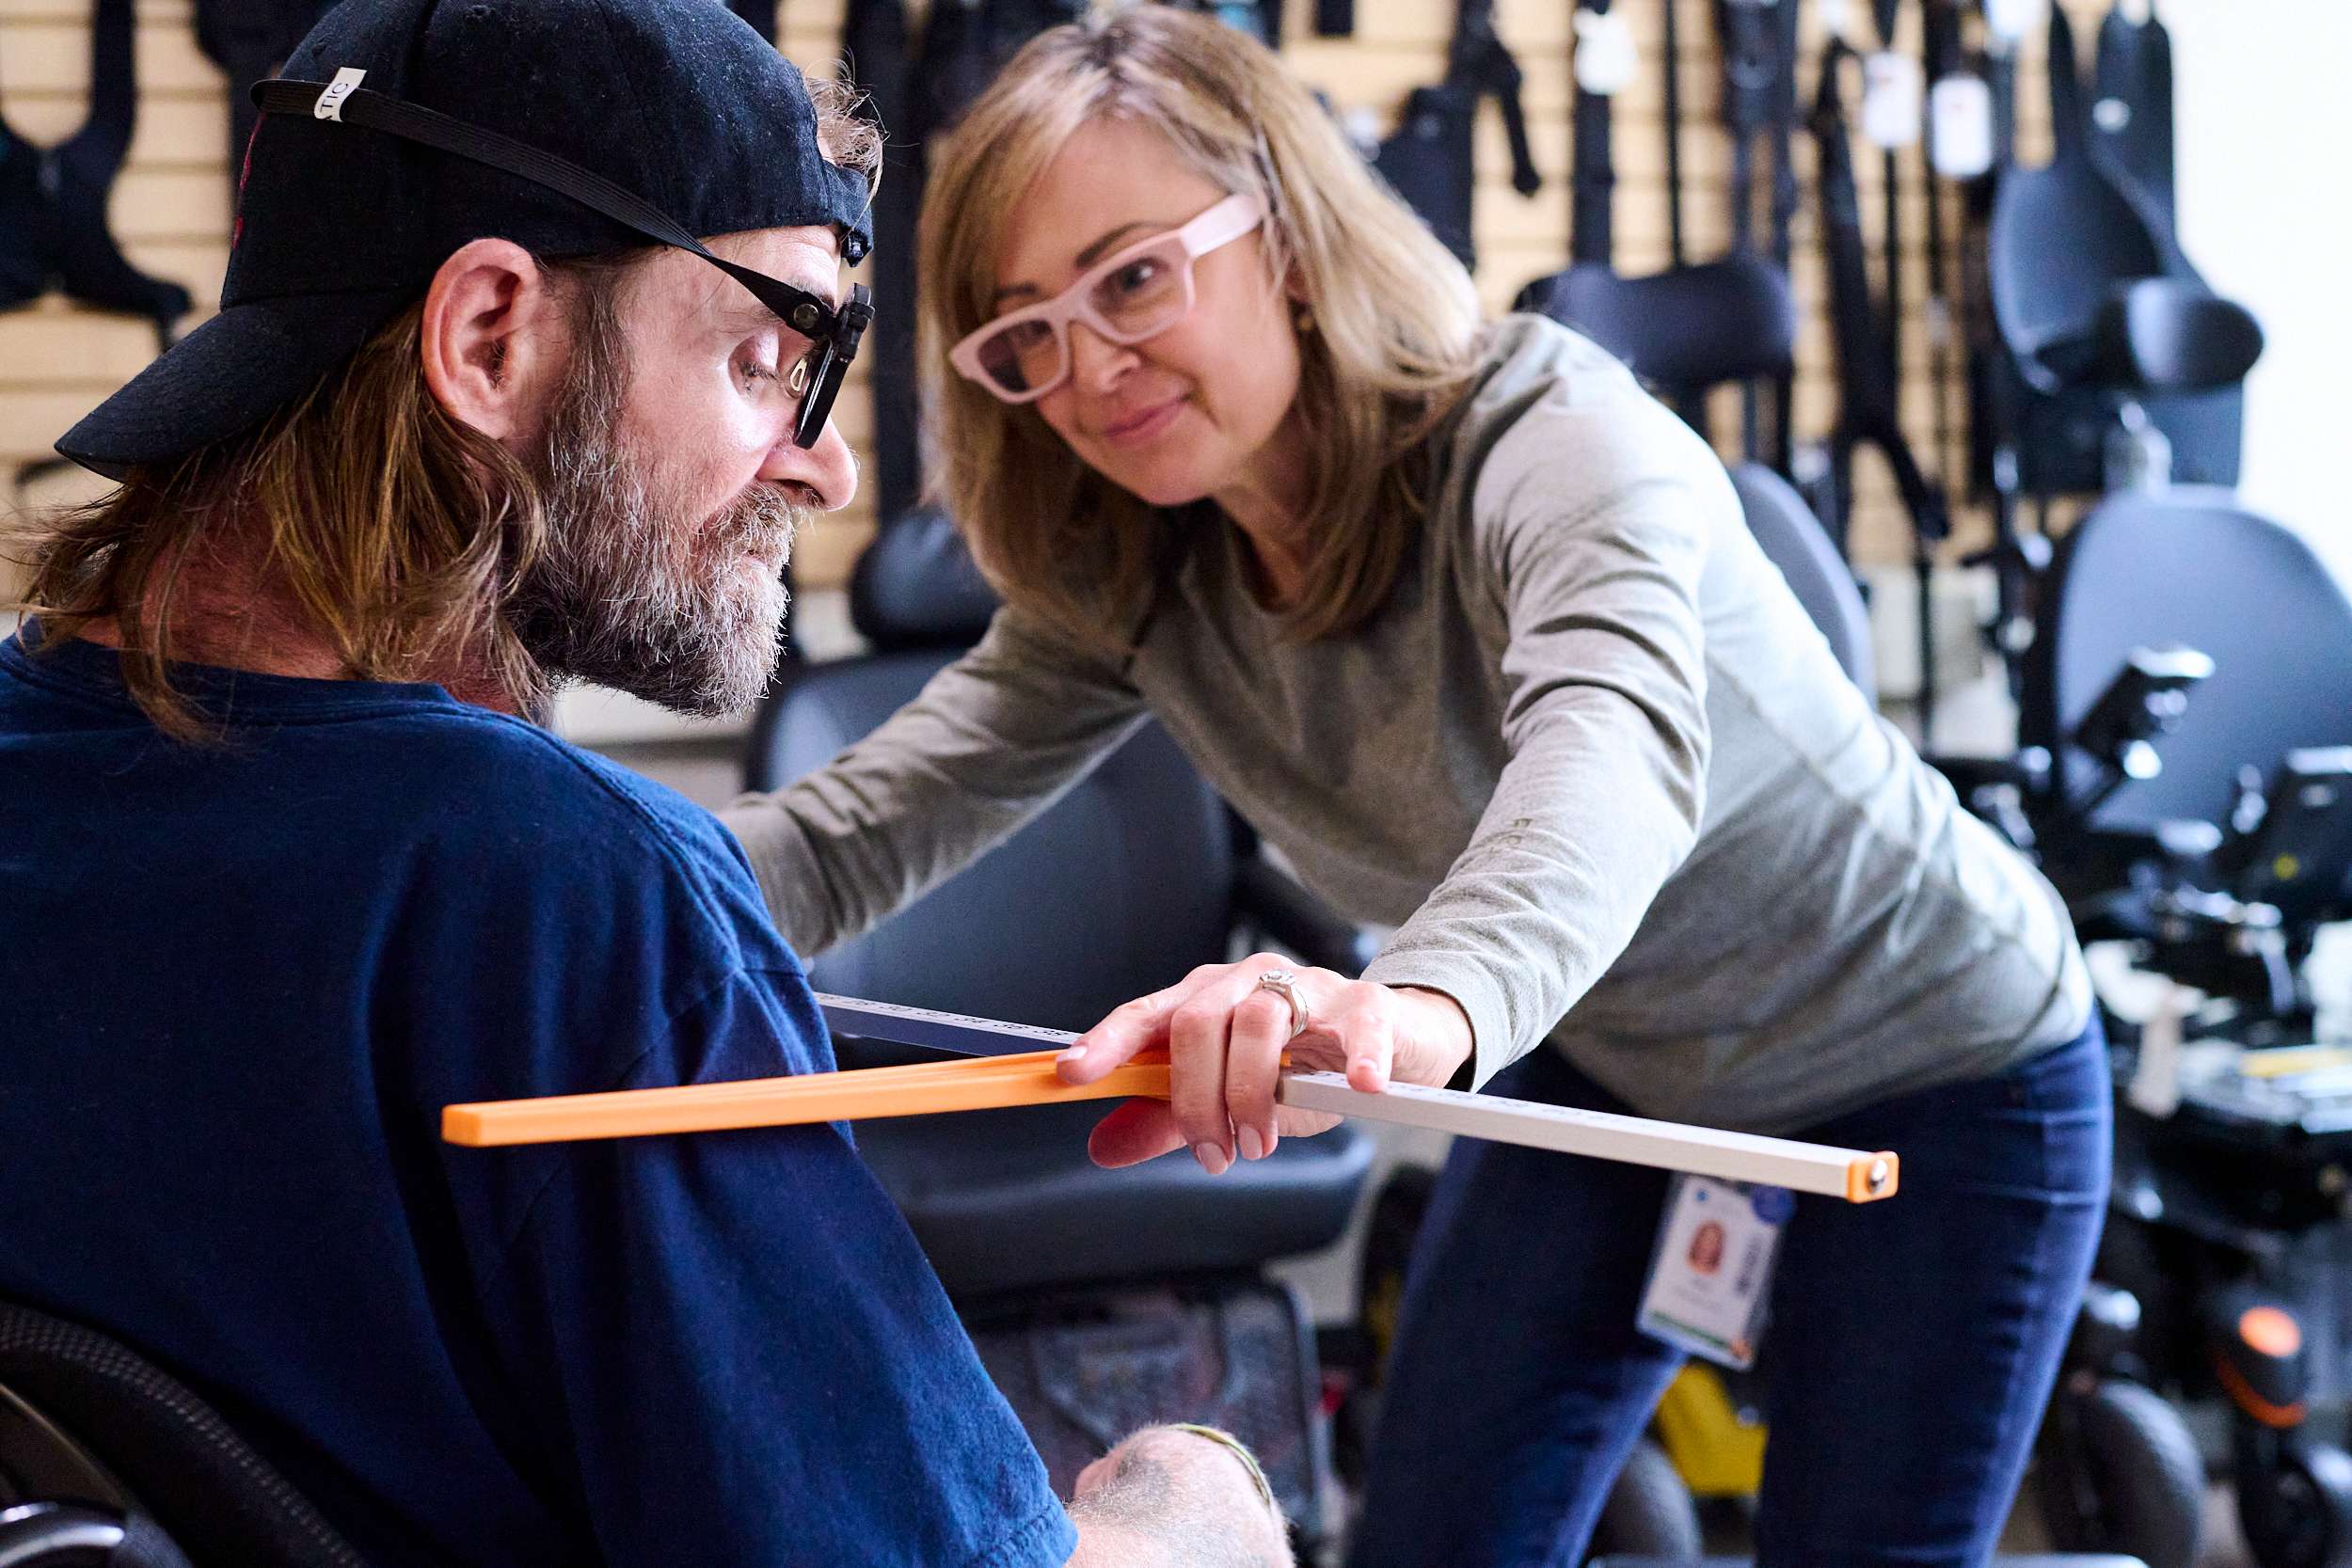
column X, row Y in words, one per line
column 1591, row 760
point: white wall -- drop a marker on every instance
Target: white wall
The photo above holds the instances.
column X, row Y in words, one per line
column 2264, row 128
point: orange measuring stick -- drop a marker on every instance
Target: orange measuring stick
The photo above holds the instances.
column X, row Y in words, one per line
column 922, row 1089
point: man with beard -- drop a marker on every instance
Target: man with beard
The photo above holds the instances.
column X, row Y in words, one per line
column 285, row 867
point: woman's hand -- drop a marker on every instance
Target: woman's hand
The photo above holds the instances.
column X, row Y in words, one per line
column 1225, row 1036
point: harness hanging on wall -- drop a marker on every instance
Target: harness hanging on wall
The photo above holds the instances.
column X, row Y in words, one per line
column 1430, row 158
column 52, row 200
column 1868, row 369
column 1684, row 329
column 54, row 236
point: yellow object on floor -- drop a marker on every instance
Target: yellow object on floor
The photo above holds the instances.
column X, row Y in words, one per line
column 1718, row 1453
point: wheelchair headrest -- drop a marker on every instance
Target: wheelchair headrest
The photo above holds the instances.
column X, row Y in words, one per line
column 2150, row 334
column 916, row 586
column 1687, row 328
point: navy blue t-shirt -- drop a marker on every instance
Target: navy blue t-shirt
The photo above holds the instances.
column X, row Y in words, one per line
column 242, row 982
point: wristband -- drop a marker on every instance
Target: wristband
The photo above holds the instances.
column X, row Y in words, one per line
column 1240, row 1452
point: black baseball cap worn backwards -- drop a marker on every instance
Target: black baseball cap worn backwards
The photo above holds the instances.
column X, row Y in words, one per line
column 400, row 130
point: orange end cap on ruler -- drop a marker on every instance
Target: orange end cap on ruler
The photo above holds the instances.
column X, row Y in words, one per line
column 1873, row 1177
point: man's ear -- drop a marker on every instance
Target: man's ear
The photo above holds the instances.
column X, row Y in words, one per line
column 494, row 338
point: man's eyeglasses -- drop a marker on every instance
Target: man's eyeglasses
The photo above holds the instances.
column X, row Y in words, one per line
column 836, row 329
column 1143, row 291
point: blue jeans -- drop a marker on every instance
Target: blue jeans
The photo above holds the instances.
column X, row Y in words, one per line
column 1911, row 1344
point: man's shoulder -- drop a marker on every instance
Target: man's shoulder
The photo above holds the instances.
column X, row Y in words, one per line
column 512, row 803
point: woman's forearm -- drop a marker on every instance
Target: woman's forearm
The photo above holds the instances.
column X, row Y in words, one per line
column 992, row 740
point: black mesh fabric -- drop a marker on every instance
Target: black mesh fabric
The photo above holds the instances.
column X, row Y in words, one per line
column 210, row 1492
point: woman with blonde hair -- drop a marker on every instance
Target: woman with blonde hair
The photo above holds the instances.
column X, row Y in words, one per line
column 1470, row 628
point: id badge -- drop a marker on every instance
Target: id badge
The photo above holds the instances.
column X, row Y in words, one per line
column 1710, row 1278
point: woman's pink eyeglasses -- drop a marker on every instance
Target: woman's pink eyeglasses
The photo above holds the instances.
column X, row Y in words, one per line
column 1144, row 290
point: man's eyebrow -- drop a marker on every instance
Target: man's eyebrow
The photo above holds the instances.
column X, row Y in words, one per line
column 1086, row 259
column 736, row 309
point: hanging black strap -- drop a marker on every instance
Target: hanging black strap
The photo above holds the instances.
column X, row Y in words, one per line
column 1748, row 49
column 1868, row 370
column 1748, row 39
column 1594, row 171
column 1430, row 158
column 1480, row 60
column 1886, row 13
column 1869, row 409
column 1673, row 40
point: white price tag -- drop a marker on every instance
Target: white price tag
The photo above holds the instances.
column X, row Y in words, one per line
column 1960, row 113
column 1891, row 94
column 1605, row 57
column 1709, row 1282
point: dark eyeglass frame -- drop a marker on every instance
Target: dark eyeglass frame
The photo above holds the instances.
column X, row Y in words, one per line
column 836, row 329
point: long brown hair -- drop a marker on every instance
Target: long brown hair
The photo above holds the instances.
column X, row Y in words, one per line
column 1395, row 319
column 397, row 532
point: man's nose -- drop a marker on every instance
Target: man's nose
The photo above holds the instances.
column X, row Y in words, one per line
column 828, row 471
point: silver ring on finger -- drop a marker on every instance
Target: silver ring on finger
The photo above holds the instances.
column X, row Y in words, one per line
column 1284, row 984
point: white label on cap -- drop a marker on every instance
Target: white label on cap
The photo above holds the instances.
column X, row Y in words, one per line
column 330, row 104
column 1890, row 100
column 1959, row 111
column 1605, row 57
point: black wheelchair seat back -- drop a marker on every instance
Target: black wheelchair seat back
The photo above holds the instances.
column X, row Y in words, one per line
column 91, row 1433
column 2190, row 566
column 1794, row 540
column 1128, row 881
column 1687, row 328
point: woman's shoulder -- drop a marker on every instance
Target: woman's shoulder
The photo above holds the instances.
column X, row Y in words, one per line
column 1551, row 408
column 1525, row 358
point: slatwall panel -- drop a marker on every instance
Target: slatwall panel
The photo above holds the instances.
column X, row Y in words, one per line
column 171, row 205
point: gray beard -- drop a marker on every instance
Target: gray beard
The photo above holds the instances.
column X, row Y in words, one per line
column 633, row 592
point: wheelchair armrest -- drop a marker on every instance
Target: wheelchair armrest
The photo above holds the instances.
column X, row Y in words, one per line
column 1291, row 917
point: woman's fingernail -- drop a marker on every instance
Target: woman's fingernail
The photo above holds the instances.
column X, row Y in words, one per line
column 1072, row 1056
column 1211, row 1157
column 1252, row 1145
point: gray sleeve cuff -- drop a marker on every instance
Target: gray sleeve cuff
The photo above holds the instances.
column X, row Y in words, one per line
column 1492, row 1049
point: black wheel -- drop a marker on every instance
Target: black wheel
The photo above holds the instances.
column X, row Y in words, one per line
column 2119, row 1472
column 2298, row 1514
column 1649, row 1512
